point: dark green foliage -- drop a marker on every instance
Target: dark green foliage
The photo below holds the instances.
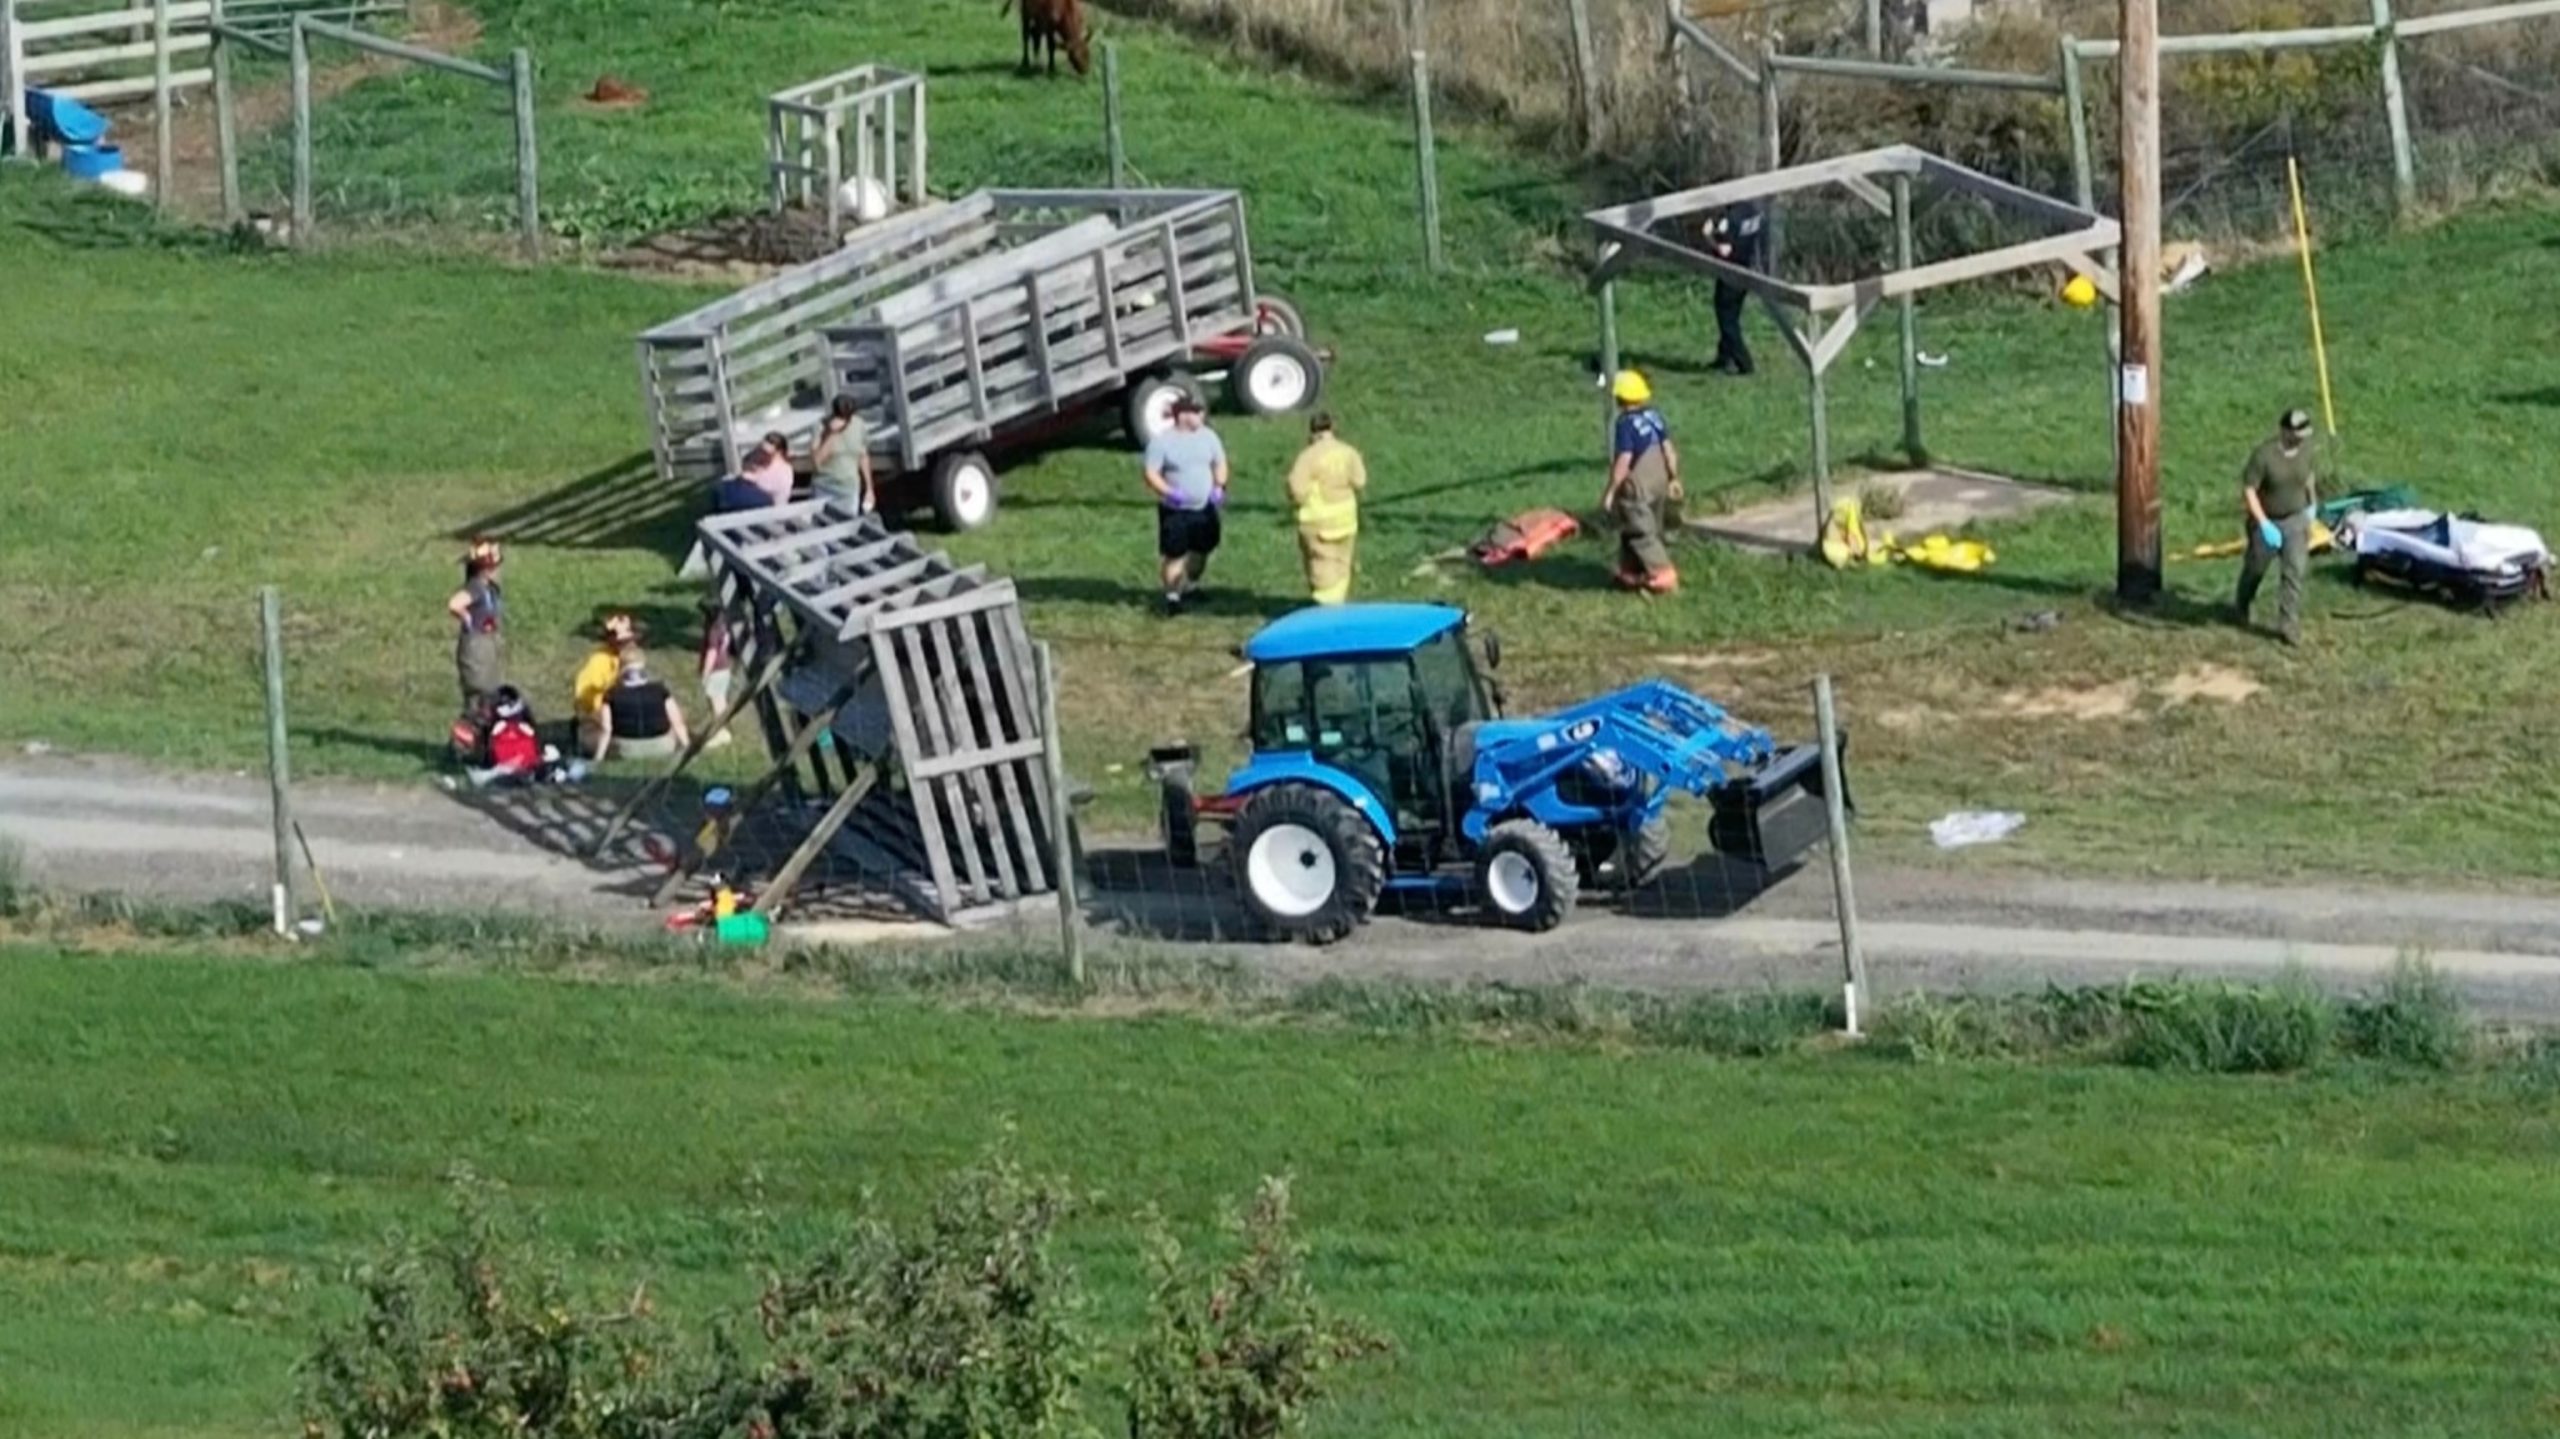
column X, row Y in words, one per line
column 2415, row 1018
column 2229, row 1028
column 1244, row 1352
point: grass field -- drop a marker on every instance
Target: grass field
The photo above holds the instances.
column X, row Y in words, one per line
column 1564, row 1240
column 189, row 423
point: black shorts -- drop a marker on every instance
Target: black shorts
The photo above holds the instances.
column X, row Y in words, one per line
column 1181, row 533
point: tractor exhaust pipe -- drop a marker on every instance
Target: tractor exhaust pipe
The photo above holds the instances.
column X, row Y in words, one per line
column 1773, row 815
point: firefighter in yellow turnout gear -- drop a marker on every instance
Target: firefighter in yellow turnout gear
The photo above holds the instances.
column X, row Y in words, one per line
column 1324, row 488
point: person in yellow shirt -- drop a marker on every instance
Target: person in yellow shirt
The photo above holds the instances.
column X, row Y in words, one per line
column 1324, row 488
column 601, row 668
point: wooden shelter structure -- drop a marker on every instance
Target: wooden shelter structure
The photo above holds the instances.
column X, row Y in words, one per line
column 1818, row 320
column 897, row 689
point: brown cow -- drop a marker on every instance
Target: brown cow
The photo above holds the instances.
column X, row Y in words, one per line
column 1055, row 22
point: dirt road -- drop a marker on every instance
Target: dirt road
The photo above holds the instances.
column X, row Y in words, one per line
column 108, row 825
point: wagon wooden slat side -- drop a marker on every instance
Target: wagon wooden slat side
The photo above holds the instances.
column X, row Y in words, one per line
column 957, row 330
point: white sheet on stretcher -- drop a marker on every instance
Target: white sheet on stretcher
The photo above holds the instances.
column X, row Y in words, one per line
column 2477, row 548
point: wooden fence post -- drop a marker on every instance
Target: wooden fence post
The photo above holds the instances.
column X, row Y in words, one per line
column 164, row 140
column 1113, row 143
column 279, row 758
column 226, row 134
column 1770, row 151
column 300, row 60
column 528, row 181
column 1586, row 71
column 2395, row 107
column 2075, row 107
column 1427, row 162
column 1875, row 29
column 1062, row 818
column 13, row 83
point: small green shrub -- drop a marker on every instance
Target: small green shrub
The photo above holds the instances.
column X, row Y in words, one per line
column 1242, row 1352
column 2280, row 1028
column 2416, row 1018
column 476, row 1335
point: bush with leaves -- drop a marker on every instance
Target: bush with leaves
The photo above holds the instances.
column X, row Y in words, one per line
column 1243, row 1352
column 964, row 1327
column 476, row 1336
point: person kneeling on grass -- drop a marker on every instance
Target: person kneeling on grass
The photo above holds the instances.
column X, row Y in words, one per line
column 514, row 749
column 640, row 720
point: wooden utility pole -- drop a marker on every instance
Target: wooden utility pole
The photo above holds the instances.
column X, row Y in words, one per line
column 2138, row 381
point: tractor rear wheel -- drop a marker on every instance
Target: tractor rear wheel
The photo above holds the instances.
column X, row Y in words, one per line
column 1526, row 875
column 1310, row 866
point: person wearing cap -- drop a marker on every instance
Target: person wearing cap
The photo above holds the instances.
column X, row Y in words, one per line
column 1325, row 483
column 479, row 611
column 617, row 640
column 1735, row 235
column 2278, row 490
column 1644, row 481
column 768, row 467
column 640, row 719
column 1186, row 470
column 843, row 457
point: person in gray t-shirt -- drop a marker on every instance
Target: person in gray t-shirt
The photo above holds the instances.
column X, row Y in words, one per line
column 1186, row 468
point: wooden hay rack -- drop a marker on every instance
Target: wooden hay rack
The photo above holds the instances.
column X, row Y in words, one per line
column 897, row 689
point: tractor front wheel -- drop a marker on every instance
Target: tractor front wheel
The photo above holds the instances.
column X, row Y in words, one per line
column 1526, row 875
column 1642, row 853
column 1310, row 866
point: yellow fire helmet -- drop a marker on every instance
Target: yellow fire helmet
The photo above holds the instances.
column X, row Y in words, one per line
column 2079, row 293
column 1630, row 388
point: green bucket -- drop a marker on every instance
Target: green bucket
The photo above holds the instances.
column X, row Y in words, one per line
column 749, row 928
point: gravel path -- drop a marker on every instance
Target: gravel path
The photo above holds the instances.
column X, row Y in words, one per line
column 110, row 825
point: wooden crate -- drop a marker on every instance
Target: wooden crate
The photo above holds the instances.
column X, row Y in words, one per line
column 923, row 673
column 865, row 123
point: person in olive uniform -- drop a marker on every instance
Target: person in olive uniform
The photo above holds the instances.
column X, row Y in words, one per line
column 2279, row 489
column 1736, row 235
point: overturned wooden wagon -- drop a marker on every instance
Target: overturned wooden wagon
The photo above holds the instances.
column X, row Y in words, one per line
column 979, row 325
column 895, row 688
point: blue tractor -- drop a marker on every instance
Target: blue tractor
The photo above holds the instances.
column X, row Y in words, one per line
column 1381, row 761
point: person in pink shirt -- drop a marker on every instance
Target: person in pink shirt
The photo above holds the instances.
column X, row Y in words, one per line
column 768, row 468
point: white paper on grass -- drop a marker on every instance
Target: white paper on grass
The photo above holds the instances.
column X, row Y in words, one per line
column 1976, row 826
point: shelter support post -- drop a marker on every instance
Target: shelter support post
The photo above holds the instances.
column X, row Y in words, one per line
column 1608, row 363
column 1908, row 351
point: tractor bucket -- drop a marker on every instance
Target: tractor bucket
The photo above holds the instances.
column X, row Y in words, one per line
column 1771, row 816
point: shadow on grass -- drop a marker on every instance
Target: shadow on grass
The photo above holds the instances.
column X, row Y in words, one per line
column 2547, row 396
column 621, row 506
column 1212, row 599
column 430, row 755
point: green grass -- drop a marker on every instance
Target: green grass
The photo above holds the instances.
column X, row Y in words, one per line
column 187, row 424
column 1565, row 1240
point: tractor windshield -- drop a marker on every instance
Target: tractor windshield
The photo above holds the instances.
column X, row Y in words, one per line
column 1452, row 691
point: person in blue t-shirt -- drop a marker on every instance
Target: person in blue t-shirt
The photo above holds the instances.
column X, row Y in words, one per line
column 1186, row 468
column 1644, row 479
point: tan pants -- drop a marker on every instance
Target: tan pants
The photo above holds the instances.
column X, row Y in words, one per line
column 1644, row 560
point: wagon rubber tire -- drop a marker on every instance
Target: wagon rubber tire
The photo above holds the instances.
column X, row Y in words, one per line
column 1181, row 812
column 1310, row 866
column 1275, row 375
column 964, row 491
column 1278, row 315
column 1151, row 396
column 1526, row 876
